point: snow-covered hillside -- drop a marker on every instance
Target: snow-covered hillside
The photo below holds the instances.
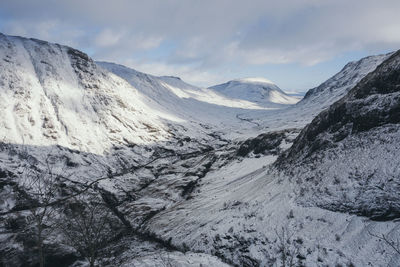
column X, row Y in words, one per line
column 53, row 94
column 355, row 145
column 257, row 90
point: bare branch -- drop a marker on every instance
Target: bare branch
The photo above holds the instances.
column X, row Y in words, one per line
column 395, row 245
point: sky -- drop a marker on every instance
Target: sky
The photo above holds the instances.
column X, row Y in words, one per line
column 297, row 44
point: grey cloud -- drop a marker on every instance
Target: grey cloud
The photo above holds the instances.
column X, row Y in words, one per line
column 210, row 34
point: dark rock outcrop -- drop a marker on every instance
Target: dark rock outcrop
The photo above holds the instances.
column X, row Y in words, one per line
column 267, row 143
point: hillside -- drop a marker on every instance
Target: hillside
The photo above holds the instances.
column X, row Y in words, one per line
column 51, row 94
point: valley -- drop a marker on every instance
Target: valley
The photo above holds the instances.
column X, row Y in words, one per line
column 238, row 174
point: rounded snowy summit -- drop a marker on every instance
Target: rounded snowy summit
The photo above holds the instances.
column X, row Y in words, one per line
column 256, row 90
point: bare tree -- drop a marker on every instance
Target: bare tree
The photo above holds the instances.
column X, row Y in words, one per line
column 165, row 260
column 41, row 189
column 88, row 226
column 390, row 241
column 288, row 247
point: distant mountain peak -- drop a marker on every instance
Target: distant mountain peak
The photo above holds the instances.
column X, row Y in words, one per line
column 257, row 90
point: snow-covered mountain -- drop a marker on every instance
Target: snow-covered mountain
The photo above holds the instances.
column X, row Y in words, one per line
column 258, row 90
column 97, row 127
column 355, row 144
column 53, row 94
column 191, row 104
column 193, row 176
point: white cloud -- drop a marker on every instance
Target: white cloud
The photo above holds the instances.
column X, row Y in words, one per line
column 108, row 37
column 259, row 56
column 146, row 43
column 188, row 73
column 49, row 30
column 118, row 37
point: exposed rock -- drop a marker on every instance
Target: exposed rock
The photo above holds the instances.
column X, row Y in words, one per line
column 264, row 143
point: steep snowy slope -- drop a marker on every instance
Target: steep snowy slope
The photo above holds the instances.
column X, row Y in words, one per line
column 348, row 158
column 257, row 90
column 53, row 94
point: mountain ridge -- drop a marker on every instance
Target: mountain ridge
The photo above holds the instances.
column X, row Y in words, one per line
column 367, row 117
column 339, row 84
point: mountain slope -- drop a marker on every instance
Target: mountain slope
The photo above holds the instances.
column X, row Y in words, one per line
column 257, row 90
column 53, row 94
column 355, row 146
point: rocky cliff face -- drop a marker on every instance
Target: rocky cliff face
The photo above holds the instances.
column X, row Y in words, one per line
column 347, row 158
